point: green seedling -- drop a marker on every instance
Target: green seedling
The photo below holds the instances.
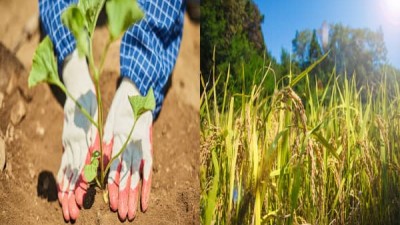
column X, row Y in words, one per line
column 81, row 20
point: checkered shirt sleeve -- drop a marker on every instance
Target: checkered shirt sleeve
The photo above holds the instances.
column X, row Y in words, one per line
column 62, row 38
column 148, row 50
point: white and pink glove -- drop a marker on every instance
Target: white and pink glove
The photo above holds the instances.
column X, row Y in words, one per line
column 78, row 135
column 136, row 161
column 80, row 139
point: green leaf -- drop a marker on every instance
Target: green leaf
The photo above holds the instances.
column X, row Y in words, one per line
column 44, row 66
column 90, row 171
column 326, row 144
column 306, row 71
column 121, row 14
column 74, row 19
column 91, row 9
column 142, row 104
column 213, row 192
column 295, row 189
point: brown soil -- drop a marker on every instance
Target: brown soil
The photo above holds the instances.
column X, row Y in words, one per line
column 34, row 144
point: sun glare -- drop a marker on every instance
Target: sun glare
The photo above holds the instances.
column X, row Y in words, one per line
column 391, row 10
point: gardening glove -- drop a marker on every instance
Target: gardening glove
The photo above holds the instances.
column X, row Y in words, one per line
column 78, row 137
column 136, row 161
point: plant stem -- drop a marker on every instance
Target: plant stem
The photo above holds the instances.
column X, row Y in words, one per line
column 97, row 73
column 99, row 110
column 122, row 148
column 91, row 61
column 97, row 181
column 100, row 104
column 100, row 129
column 81, row 108
column 91, row 32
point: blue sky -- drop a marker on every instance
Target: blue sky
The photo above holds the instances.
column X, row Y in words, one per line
column 283, row 18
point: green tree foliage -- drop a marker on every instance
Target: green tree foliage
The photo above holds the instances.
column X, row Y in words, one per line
column 359, row 51
column 301, row 47
column 288, row 66
column 285, row 66
column 353, row 51
column 315, row 50
column 231, row 37
column 233, row 28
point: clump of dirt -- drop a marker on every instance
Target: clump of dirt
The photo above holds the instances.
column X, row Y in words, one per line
column 33, row 143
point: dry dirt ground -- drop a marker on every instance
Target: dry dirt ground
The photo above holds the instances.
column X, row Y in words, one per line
column 31, row 125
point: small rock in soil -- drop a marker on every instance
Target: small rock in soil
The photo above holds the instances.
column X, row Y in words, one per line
column 9, row 171
column 39, row 129
column 32, row 26
column 10, row 133
column 12, row 84
column 31, row 171
column 18, row 112
column 1, row 99
column 2, row 154
column 88, row 198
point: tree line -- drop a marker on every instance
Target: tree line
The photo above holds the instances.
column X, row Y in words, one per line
column 231, row 37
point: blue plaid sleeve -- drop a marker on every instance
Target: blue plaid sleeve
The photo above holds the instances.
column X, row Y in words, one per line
column 62, row 38
column 149, row 49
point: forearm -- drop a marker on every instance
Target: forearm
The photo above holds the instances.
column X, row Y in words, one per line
column 149, row 49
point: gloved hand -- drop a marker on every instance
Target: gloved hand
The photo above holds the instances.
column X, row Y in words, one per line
column 136, row 161
column 78, row 135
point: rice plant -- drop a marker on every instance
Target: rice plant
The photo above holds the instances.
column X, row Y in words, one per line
column 331, row 157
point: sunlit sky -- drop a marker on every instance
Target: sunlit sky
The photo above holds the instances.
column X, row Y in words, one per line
column 283, row 18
